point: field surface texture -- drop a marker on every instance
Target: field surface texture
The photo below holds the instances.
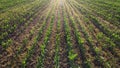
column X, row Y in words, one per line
column 59, row 33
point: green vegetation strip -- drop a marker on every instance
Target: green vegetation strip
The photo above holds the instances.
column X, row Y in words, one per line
column 36, row 40
column 71, row 54
column 57, row 47
column 44, row 44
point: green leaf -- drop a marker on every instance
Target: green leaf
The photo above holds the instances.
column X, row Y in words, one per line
column 72, row 56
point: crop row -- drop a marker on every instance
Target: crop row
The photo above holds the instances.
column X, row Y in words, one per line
column 79, row 40
column 106, row 9
column 70, row 52
column 114, row 36
column 35, row 42
column 7, row 4
column 15, row 20
column 95, row 50
column 45, row 42
column 57, row 47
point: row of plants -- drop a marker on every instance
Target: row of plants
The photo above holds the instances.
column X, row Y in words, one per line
column 98, row 52
column 26, row 40
column 8, row 28
column 107, row 10
column 114, row 36
column 80, row 41
column 78, row 38
column 103, row 22
column 99, row 59
column 70, row 52
column 35, row 42
column 57, row 47
column 95, row 49
column 81, row 45
column 40, row 61
column 107, row 45
column 7, row 4
column 41, row 58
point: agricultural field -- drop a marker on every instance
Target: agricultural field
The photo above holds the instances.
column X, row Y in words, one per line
column 59, row 33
